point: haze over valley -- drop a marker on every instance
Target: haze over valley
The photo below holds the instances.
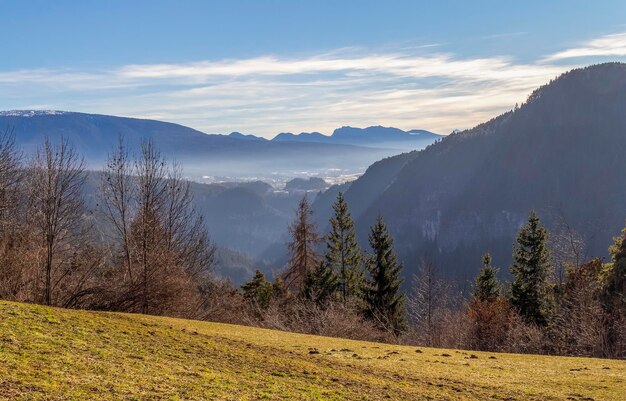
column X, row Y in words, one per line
column 338, row 157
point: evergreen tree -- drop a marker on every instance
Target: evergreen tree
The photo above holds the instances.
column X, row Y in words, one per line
column 385, row 301
column 320, row 285
column 487, row 287
column 488, row 313
column 304, row 241
column 281, row 293
column 343, row 255
column 614, row 298
column 615, row 280
column 258, row 290
column 530, row 290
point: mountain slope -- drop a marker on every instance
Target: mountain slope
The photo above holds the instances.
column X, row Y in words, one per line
column 560, row 153
column 362, row 192
column 48, row 353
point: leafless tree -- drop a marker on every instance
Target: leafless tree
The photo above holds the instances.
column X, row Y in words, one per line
column 568, row 247
column 165, row 248
column 429, row 303
column 117, row 195
column 10, row 178
column 186, row 234
column 580, row 325
column 13, row 269
column 425, row 291
column 56, row 206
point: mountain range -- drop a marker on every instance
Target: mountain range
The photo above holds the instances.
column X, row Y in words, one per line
column 378, row 136
column 234, row 155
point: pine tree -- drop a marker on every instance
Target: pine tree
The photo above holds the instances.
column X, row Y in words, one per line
column 320, row 285
column 385, row 301
column 530, row 290
column 343, row 255
column 487, row 287
column 304, row 241
column 258, row 290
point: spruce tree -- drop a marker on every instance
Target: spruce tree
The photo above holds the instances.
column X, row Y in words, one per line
column 320, row 285
column 303, row 253
column 385, row 301
column 614, row 293
column 258, row 290
column 489, row 314
column 614, row 298
column 487, row 287
column 531, row 269
column 343, row 255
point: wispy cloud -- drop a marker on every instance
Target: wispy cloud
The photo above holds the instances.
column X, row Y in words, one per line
column 408, row 88
column 608, row 45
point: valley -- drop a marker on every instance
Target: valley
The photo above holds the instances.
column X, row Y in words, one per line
column 312, row 200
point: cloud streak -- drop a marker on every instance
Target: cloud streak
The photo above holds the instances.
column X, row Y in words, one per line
column 408, row 88
column 608, row 45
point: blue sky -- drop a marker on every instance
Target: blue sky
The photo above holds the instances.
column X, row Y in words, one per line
column 265, row 67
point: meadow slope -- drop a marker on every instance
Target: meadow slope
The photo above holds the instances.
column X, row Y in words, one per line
column 55, row 354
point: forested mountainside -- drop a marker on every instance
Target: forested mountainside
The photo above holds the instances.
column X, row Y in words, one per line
column 560, row 153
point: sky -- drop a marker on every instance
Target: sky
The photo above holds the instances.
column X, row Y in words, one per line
column 264, row 67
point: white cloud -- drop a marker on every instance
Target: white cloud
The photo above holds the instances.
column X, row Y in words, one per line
column 407, row 88
column 608, row 45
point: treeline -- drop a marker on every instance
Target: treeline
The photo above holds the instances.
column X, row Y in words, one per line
column 344, row 291
column 144, row 248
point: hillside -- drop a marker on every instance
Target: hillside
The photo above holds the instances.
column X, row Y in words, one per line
column 558, row 153
column 48, row 353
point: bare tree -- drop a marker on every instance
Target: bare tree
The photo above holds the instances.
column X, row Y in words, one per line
column 117, row 195
column 425, row 289
column 428, row 303
column 165, row 248
column 567, row 246
column 186, row 234
column 56, row 177
column 10, row 179
column 150, row 174
column 579, row 324
column 14, row 270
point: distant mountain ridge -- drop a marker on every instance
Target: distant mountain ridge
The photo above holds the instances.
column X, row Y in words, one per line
column 202, row 154
column 375, row 136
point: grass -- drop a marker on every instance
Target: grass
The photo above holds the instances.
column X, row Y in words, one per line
column 56, row 354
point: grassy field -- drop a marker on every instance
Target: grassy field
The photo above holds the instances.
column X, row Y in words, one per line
column 55, row 354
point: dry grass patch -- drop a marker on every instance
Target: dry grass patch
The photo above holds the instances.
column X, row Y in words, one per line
column 55, row 354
